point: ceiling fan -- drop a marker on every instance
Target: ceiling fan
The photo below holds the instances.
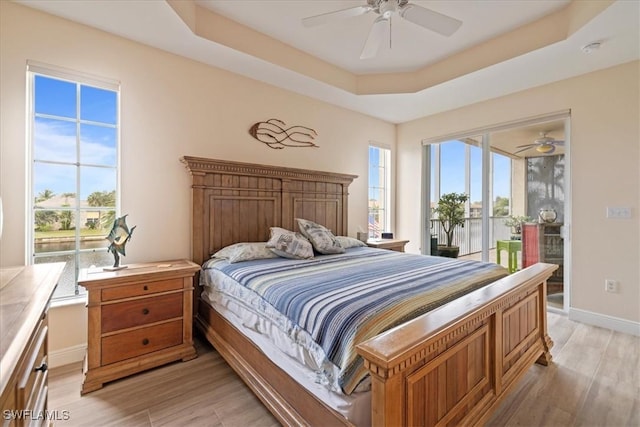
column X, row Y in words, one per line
column 545, row 144
column 380, row 30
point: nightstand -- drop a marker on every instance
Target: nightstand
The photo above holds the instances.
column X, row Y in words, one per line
column 140, row 317
column 391, row 244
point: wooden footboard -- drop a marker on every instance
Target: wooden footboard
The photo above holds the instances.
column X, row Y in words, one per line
column 454, row 365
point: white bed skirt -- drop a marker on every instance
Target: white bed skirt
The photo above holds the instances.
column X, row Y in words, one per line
column 355, row 407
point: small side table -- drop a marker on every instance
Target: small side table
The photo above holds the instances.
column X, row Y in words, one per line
column 512, row 247
column 390, row 244
column 139, row 318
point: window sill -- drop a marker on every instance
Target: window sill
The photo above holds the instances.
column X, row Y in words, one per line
column 64, row 302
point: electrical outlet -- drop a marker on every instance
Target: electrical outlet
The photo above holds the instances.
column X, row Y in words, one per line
column 611, row 285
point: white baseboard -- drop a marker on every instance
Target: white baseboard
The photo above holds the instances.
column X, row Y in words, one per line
column 604, row 321
column 66, row 356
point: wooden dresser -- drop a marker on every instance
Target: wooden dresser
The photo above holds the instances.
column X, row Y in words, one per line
column 391, row 244
column 25, row 295
column 140, row 317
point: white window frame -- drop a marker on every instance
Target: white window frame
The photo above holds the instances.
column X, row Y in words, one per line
column 385, row 188
column 83, row 79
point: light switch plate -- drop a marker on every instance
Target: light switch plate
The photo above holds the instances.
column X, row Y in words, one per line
column 618, row 212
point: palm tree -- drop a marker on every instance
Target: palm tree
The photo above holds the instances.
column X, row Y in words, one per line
column 102, row 199
column 43, row 219
column 66, row 197
column 44, row 195
column 66, row 219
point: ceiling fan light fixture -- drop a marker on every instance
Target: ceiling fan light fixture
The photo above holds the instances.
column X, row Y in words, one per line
column 545, row 148
column 386, row 8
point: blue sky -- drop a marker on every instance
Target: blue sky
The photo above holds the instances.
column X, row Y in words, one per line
column 452, row 171
column 67, row 113
column 453, row 176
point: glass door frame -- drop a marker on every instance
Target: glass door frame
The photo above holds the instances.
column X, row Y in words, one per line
column 486, row 170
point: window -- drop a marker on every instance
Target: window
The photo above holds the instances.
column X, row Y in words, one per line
column 379, row 187
column 74, row 142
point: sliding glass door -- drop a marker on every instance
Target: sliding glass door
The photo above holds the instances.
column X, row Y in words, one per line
column 514, row 177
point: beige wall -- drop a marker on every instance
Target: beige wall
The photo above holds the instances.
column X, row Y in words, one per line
column 170, row 107
column 605, row 165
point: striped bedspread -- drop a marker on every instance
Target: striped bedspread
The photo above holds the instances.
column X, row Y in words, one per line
column 342, row 300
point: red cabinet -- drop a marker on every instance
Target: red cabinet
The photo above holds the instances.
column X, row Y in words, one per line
column 544, row 243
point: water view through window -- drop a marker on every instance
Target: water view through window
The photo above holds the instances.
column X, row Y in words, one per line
column 74, row 148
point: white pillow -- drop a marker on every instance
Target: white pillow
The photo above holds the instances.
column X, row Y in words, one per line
column 320, row 237
column 350, row 242
column 245, row 251
column 289, row 244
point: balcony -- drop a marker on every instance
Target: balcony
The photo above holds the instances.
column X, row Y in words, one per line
column 469, row 237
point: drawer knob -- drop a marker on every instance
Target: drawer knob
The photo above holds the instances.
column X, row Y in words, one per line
column 145, row 341
column 41, row 368
column 145, row 311
column 146, row 288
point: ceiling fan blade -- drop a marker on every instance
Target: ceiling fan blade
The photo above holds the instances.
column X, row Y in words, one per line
column 379, row 31
column 526, row 145
column 429, row 19
column 523, row 149
column 325, row 18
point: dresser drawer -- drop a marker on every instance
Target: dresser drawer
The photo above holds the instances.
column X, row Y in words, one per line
column 142, row 288
column 141, row 341
column 32, row 374
column 139, row 312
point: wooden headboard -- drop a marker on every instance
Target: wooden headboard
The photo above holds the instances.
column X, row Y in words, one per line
column 238, row 202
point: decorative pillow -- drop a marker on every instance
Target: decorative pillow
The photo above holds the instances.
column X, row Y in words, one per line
column 349, row 242
column 320, row 237
column 225, row 252
column 289, row 244
column 245, row 251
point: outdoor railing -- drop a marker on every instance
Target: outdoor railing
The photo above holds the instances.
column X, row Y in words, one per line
column 469, row 237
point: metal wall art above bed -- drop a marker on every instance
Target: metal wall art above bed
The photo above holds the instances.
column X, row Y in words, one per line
column 275, row 134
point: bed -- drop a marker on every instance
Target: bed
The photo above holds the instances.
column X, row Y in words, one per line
column 452, row 365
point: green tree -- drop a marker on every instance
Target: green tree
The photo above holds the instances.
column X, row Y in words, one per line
column 501, row 206
column 450, row 210
column 44, row 195
column 44, row 219
column 102, row 199
column 66, row 219
column 67, row 195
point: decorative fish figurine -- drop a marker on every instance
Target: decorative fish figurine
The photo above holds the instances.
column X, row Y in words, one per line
column 118, row 237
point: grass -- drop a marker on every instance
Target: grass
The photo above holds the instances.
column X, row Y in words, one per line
column 85, row 232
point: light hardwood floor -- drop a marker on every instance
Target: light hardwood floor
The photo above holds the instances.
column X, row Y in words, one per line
column 594, row 380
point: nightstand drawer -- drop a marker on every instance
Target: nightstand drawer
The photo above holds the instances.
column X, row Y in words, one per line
column 139, row 289
column 139, row 312
column 141, row 341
